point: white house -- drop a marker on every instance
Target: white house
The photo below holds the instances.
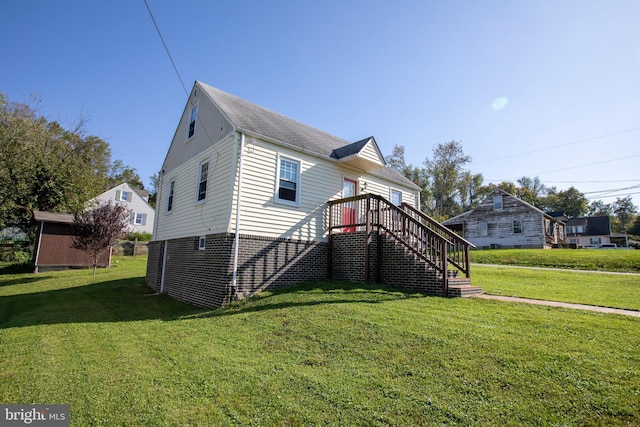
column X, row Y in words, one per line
column 242, row 199
column 137, row 201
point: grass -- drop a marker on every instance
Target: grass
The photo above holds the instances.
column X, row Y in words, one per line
column 601, row 289
column 323, row 353
column 577, row 259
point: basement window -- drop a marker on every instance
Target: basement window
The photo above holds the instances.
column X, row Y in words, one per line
column 202, row 243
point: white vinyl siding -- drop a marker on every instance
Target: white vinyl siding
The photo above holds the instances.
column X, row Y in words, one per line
column 320, row 181
column 187, row 218
column 369, row 152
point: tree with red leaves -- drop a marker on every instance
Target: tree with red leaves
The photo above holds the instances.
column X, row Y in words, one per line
column 98, row 228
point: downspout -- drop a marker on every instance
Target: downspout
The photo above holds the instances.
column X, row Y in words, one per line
column 234, row 278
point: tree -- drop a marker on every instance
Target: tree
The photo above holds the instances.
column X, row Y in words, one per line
column 416, row 175
column 44, row 166
column 570, row 201
column 625, row 214
column 98, row 228
column 600, row 208
column 120, row 173
column 445, row 172
column 531, row 190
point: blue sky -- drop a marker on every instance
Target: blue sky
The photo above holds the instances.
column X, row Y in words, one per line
column 530, row 88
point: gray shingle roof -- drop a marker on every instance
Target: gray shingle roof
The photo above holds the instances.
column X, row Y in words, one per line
column 262, row 121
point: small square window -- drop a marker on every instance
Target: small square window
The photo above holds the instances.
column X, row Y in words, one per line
column 202, row 243
column 140, row 219
column 123, row 196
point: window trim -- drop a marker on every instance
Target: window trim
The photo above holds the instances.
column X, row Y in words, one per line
column 298, row 189
column 170, row 195
column 120, row 193
column 200, row 180
column 192, row 120
column 143, row 218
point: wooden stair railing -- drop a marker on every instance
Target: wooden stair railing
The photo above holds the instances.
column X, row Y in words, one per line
column 438, row 246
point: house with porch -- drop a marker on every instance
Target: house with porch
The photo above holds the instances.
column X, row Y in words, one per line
column 249, row 199
column 502, row 220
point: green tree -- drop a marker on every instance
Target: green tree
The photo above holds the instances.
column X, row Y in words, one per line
column 599, row 208
column 417, row 175
column 570, row 201
column 625, row 214
column 120, row 173
column 446, row 172
column 531, row 190
column 44, row 166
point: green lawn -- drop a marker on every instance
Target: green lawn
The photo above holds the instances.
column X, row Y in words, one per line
column 602, row 289
column 324, row 353
column 577, row 259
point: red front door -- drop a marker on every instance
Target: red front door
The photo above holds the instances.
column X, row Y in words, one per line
column 349, row 189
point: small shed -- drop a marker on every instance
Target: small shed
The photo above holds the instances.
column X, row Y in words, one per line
column 54, row 244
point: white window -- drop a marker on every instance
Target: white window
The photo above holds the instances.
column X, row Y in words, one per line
column 595, row 241
column 202, row 243
column 497, row 203
column 123, row 196
column 172, row 185
column 396, row 197
column 579, row 229
column 140, row 219
column 482, row 228
column 288, row 181
column 192, row 121
column 203, row 177
column 517, row 226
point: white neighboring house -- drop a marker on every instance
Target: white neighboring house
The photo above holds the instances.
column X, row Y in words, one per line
column 137, row 201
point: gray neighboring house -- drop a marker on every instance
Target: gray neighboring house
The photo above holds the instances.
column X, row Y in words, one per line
column 504, row 221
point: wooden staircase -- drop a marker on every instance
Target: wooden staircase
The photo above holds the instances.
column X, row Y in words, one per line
column 440, row 250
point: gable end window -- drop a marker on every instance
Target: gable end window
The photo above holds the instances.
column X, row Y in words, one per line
column 123, row 196
column 497, row 203
column 192, row 121
column 288, row 181
column 172, row 185
column 139, row 219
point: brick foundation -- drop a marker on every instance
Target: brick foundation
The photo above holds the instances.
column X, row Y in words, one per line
column 204, row 277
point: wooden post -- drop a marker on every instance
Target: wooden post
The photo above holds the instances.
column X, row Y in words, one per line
column 330, row 247
column 367, row 240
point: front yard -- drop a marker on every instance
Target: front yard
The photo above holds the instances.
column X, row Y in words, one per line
column 324, row 353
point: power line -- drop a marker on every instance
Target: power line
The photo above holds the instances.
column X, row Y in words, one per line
column 166, row 48
column 557, row 146
column 589, row 164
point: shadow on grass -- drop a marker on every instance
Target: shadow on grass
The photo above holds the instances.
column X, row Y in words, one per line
column 313, row 294
column 130, row 299
column 16, row 268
